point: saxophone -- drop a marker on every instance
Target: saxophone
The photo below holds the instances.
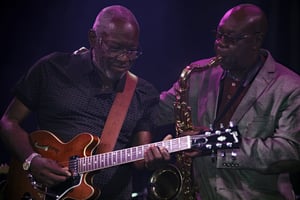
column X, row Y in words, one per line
column 175, row 181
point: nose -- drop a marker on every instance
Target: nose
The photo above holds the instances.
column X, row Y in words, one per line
column 221, row 38
column 221, row 41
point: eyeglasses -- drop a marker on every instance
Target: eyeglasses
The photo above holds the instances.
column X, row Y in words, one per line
column 117, row 52
column 231, row 39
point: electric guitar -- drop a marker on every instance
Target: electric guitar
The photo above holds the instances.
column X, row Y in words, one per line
column 78, row 156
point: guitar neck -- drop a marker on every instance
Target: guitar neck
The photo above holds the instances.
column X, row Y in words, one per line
column 114, row 158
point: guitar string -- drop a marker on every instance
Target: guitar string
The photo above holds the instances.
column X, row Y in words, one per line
column 111, row 158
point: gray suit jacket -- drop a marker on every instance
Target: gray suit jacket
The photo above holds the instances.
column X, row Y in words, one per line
column 268, row 119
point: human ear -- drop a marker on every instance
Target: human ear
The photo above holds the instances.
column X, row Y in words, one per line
column 258, row 41
column 92, row 36
column 259, row 38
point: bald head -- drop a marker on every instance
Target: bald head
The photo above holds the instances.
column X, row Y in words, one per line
column 248, row 16
column 113, row 15
column 241, row 32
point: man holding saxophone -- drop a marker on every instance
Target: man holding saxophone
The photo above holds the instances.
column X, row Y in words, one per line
column 260, row 96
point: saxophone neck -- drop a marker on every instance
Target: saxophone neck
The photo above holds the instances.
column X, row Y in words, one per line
column 186, row 73
column 215, row 61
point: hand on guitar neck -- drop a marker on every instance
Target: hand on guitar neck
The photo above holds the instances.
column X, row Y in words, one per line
column 157, row 156
column 202, row 141
column 193, row 152
column 77, row 156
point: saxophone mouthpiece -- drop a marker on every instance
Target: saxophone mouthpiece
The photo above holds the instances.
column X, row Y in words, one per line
column 215, row 61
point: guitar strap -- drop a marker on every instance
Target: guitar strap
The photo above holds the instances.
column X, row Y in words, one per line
column 117, row 115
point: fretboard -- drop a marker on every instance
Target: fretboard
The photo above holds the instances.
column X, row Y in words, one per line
column 114, row 158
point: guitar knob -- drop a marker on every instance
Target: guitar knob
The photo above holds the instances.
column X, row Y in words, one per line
column 221, row 126
column 219, row 145
column 218, row 132
column 229, row 144
column 223, row 154
column 233, row 155
column 227, row 130
column 207, row 133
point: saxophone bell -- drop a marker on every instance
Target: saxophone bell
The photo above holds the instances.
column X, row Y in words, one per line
column 165, row 183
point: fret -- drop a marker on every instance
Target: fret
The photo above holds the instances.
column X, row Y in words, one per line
column 80, row 165
column 174, row 144
column 123, row 156
column 128, row 155
column 109, row 158
column 140, row 152
column 83, row 163
column 159, row 144
column 86, row 163
column 114, row 158
column 167, row 145
column 144, row 147
column 133, row 153
column 118, row 156
column 89, row 163
column 100, row 161
column 96, row 163
column 105, row 160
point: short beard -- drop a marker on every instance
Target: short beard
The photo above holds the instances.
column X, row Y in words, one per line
column 112, row 76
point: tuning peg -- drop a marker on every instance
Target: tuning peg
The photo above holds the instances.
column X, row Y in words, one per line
column 207, row 133
column 211, row 127
column 221, row 126
column 219, row 145
column 229, row 144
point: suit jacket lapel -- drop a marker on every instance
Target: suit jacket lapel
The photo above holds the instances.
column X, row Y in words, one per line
column 263, row 80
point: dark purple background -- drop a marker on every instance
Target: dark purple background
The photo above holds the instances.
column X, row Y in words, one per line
column 173, row 33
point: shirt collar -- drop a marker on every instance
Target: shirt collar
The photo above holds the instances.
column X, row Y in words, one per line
column 81, row 65
column 250, row 75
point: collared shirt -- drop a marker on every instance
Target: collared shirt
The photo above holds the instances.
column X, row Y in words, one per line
column 232, row 91
column 65, row 90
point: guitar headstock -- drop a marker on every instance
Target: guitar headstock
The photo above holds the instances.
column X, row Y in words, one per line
column 223, row 138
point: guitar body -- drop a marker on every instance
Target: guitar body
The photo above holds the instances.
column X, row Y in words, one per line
column 48, row 145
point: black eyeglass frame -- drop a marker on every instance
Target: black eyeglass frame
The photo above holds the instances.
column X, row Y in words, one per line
column 227, row 38
column 117, row 52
